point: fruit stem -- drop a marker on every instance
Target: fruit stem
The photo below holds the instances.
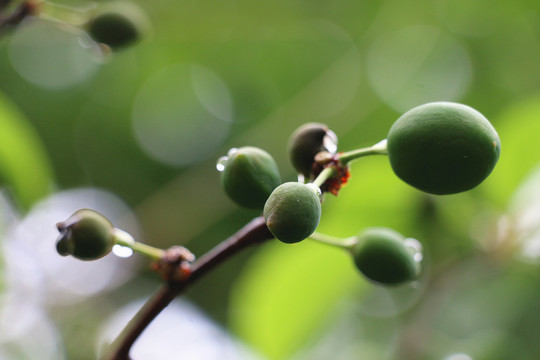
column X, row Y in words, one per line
column 63, row 14
column 347, row 243
column 346, row 157
column 122, row 238
column 377, row 149
column 326, row 174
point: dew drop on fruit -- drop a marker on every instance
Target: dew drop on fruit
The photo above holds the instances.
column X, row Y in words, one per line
column 222, row 163
column 416, row 248
column 315, row 188
column 122, row 251
column 232, row 151
column 330, row 141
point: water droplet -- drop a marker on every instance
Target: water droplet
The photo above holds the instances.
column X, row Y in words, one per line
column 222, row 163
column 416, row 248
column 315, row 188
column 330, row 141
column 122, row 251
column 232, row 151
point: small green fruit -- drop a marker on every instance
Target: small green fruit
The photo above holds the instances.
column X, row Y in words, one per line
column 383, row 257
column 293, row 211
column 249, row 176
column 306, row 142
column 117, row 25
column 87, row 235
column 443, row 147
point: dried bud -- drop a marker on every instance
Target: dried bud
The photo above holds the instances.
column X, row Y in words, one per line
column 306, row 142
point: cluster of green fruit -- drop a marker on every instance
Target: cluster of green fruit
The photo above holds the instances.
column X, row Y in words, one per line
column 439, row 148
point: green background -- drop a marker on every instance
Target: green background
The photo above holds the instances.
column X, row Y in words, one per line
column 231, row 73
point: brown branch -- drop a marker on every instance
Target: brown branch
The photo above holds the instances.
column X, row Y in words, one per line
column 254, row 232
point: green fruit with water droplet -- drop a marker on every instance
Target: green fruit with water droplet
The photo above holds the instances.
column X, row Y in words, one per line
column 382, row 256
column 293, row 211
column 443, row 147
column 86, row 235
column 117, row 25
column 306, row 142
column 249, row 177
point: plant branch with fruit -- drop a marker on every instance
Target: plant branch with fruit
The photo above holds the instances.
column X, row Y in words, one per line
column 439, row 148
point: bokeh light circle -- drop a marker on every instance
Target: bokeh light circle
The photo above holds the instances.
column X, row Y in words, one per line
column 26, row 330
column 182, row 114
column 34, row 267
column 52, row 57
column 184, row 330
column 416, row 65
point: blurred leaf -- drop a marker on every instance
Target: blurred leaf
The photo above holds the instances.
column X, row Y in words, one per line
column 24, row 165
column 518, row 230
column 518, row 128
column 286, row 294
column 480, row 310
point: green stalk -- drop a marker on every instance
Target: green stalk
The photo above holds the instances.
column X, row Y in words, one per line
column 346, row 157
column 75, row 16
column 122, row 238
column 377, row 149
column 347, row 243
column 326, row 174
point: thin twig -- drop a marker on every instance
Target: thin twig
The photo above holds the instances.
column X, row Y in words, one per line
column 252, row 233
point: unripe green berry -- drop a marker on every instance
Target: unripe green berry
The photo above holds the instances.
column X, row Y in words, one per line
column 306, row 142
column 249, row 176
column 383, row 257
column 443, row 147
column 117, row 25
column 86, row 235
column 293, row 211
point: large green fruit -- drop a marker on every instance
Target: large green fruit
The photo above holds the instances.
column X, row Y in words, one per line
column 293, row 211
column 383, row 257
column 443, row 147
column 249, row 176
column 87, row 235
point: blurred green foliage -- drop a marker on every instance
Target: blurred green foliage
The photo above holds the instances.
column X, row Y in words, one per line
column 354, row 65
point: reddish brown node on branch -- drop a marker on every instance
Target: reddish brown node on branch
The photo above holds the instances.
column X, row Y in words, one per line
column 341, row 172
column 175, row 265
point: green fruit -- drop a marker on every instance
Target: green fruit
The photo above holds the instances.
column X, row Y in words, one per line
column 249, row 176
column 87, row 235
column 117, row 25
column 383, row 257
column 293, row 211
column 306, row 142
column 443, row 147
